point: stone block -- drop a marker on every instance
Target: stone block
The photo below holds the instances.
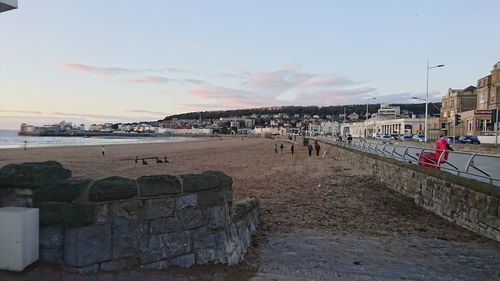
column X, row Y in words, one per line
column 130, row 240
column 124, row 212
column 159, row 265
column 165, row 225
column 33, row 175
column 111, row 189
column 118, row 265
column 159, row 185
column 184, row 261
column 66, row 215
column 51, row 255
column 51, row 237
column 190, row 218
column 64, row 191
column 224, row 181
column 211, row 198
column 167, row 245
column 85, row 270
column 89, row 245
column 158, row 208
column 202, row 238
column 103, row 213
column 218, row 217
column 199, row 182
column 204, row 256
column 186, row 201
column 243, row 207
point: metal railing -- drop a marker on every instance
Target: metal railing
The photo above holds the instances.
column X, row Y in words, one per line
column 482, row 167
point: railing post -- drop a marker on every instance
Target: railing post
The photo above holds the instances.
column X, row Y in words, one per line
column 469, row 162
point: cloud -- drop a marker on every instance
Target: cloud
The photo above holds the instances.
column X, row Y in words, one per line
column 95, row 69
column 150, row 80
column 113, row 71
column 147, row 112
column 195, row 81
column 8, row 111
column 286, row 86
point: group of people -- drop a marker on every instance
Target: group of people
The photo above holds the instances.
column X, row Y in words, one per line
column 282, row 147
column 310, row 148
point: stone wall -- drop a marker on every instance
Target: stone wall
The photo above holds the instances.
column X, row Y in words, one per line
column 468, row 203
column 151, row 222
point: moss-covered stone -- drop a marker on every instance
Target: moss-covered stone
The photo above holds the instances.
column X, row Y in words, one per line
column 112, row 188
column 159, row 185
column 65, row 191
column 224, row 181
column 199, row 182
column 243, row 207
column 33, row 175
column 66, row 215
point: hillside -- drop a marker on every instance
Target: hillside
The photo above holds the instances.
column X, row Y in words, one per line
column 417, row 108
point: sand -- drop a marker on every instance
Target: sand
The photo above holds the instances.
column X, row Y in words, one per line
column 296, row 192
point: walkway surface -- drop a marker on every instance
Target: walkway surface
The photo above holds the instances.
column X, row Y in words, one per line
column 320, row 220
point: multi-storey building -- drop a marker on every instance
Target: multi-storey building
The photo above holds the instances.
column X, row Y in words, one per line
column 488, row 90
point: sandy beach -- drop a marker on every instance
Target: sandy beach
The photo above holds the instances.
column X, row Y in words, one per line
column 295, row 191
column 306, row 204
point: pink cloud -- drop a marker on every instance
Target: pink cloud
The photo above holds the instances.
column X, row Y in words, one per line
column 149, row 80
column 95, row 69
column 287, row 86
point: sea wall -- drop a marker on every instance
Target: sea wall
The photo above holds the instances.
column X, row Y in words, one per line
column 152, row 222
column 468, row 203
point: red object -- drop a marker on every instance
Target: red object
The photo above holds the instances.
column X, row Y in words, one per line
column 428, row 160
column 442, row 147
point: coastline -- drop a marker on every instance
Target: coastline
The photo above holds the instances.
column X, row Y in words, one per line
column 96, row 141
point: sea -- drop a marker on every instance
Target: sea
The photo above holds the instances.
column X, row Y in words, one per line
column 10, row 139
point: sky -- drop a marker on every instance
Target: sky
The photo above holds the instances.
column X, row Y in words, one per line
column 100, row 61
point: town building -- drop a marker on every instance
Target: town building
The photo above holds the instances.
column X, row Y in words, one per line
column 488, row 90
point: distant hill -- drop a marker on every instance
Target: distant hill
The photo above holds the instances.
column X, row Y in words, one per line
column 416, row 108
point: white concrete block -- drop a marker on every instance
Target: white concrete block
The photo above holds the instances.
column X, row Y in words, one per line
column 19, row 229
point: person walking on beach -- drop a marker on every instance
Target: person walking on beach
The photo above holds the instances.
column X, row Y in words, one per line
column 281, row 148
column 310, row 149
column 275, row 148
column 292, row 149
column 317, row 147
column 103, row 150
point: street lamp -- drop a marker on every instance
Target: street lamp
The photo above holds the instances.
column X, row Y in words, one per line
column 427, row 96
column 417, row 98
column 366, row 122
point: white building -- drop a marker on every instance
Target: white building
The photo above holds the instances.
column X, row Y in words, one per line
column 388, row 110
column 249, row 123
column 353, row 116
column 235, row 124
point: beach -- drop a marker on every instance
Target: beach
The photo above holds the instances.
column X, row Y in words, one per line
column 318, row 216
column 295, row 191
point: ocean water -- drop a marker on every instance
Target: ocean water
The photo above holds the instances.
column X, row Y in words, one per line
column 10, row 139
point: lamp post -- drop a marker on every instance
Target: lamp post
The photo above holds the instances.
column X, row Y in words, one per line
column 427, row 96
column 366, row 122
column 417, row 98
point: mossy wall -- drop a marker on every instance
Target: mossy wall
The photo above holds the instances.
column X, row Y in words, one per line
column 116, row 223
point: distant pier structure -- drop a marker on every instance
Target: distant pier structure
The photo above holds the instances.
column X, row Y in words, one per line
column 6, row 5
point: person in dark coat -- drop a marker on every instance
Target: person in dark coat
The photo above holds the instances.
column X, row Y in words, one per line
column 310, row 149
column 292, row 149
column 317, row 147
column 281, row 148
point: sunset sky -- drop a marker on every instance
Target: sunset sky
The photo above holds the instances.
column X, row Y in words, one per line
column 118, row 60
